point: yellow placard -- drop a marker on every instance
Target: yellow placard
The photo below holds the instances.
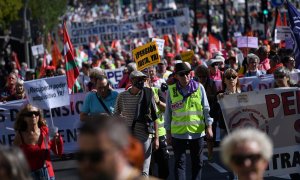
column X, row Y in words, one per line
column 187, row 56
column 146, row 55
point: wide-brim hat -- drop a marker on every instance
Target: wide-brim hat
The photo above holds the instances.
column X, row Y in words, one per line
column 181, row 67
column 211, row 61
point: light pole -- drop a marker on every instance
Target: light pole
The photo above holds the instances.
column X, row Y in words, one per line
column 26, row 33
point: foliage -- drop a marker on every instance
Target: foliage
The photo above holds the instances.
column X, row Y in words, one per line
column 47, row 12
column 9, row 11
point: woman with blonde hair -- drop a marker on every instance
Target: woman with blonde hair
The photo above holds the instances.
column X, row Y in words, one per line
column 32, row 136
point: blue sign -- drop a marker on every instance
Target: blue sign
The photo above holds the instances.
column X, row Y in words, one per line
column 277, row 3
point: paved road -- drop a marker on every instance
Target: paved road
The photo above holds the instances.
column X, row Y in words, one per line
column 212, row 170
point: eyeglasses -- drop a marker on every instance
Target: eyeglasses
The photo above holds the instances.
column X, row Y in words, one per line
column 30, row 113
column 231, row 76
column 239, row 159
column 92, row 156
column 182, row 74
column 214, row 64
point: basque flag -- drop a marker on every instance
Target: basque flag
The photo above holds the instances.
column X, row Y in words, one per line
column 294, row 18
column 72, row 71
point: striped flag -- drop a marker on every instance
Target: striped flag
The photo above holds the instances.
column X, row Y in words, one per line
column 72, row 71
column 56, row 55
column 294, row 16
column 14, row 58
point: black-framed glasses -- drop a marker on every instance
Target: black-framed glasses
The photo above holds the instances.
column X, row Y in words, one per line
column 30, row 113
column 91, row 156
column 182, row 74
column 239, row 159
column 231, row 77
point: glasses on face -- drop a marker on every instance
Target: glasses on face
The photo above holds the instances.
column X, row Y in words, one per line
column 253, row 62
column 231, row 76
column 92, row 156
column 30, row 113
column 182, row 74
column 214, row 64
column 239, row 159
column 279, row 76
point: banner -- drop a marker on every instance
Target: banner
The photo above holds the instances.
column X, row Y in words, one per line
column 248, row 42
column 274, row 111
column 108, row 29
column 259, row 83
column 114, row 76
column 146, row 55
column 187, row 56
column 48, row 92
column 66, row 118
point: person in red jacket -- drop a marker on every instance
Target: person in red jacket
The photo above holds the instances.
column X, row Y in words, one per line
column 32, row 136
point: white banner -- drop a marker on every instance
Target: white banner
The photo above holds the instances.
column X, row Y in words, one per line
column 66, row 118
column 108, row 29
column 248, row 42
column 274, row 111
column 160, row 45
column 48, row 92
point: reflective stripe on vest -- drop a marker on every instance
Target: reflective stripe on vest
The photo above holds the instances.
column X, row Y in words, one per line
column 187, row 116
column 160, row 120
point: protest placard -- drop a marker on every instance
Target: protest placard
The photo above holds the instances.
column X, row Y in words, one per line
column 248, row 42
column 187, row 56
column 160, row 44
column 283, row 32
column 274, row 111
column 146, row 55
column 48, row 92
column 37, row 50
column 114, row 76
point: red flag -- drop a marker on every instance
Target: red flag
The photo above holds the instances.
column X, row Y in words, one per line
column 56, row 56
column 214, row 44
column 177, row 44
column 43, row 67
column 14, row 58
column 278, row 21
column 284, row 19
column 72, row 71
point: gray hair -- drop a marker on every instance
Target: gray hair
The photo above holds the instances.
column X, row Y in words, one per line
column 246, row 135
column 131, row 67
column 252, row 56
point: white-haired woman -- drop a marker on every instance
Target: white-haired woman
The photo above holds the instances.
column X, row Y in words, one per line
column 247, row 152
column 253, row 62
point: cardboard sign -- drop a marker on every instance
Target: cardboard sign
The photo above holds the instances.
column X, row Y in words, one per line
column 37, row 50
column 160, row 44
column 275, row 112
column 114, row 76
column 248, row 42
column 146, row 55
column 187, row 56
column 48, row 92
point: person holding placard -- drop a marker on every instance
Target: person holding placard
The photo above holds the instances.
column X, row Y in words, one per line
column 32, row 136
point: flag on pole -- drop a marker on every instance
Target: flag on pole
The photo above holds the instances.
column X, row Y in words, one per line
column 14, row 58
column 72, row 71
column 214, row 44
column 43, row 66
column 56, row 55
column 278, row 20
column 294, row 16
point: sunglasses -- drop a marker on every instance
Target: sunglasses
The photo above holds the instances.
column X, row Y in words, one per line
column 30, row 113
column 239, row 159
column 281, row 76
column 92, row 156
column 214, row 64
column 231, row 76
column 182, row 74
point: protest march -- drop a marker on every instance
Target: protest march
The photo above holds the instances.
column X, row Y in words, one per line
column 132, row 89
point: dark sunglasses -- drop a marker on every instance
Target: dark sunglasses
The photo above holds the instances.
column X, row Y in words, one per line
column 214, row 64
column 281, row 76
column 231, row 76
column 181, row 74
column 92, row 156
column 30, row 113
column 239, row 159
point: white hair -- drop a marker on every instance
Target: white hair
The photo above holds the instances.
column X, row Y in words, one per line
column 246, row 135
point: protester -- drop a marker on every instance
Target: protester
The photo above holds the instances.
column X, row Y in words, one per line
column 32, row 136
column 94, row 74
column 252, row 70
column 13, row 164
column 202, row 74
column 162, row 71
column 275, row 62
column 102, row 153
column 247, row 152
column 20, row 92
column 137, row 106
column 102, row 101
column 154, row 80
column 289, row 63
column 125, row 81
column 187, row 120
column 10, row 87
column 264, row 63
column 214, row 72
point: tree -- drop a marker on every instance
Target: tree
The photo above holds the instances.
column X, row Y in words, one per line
column 47, row 12
column 9, row 12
